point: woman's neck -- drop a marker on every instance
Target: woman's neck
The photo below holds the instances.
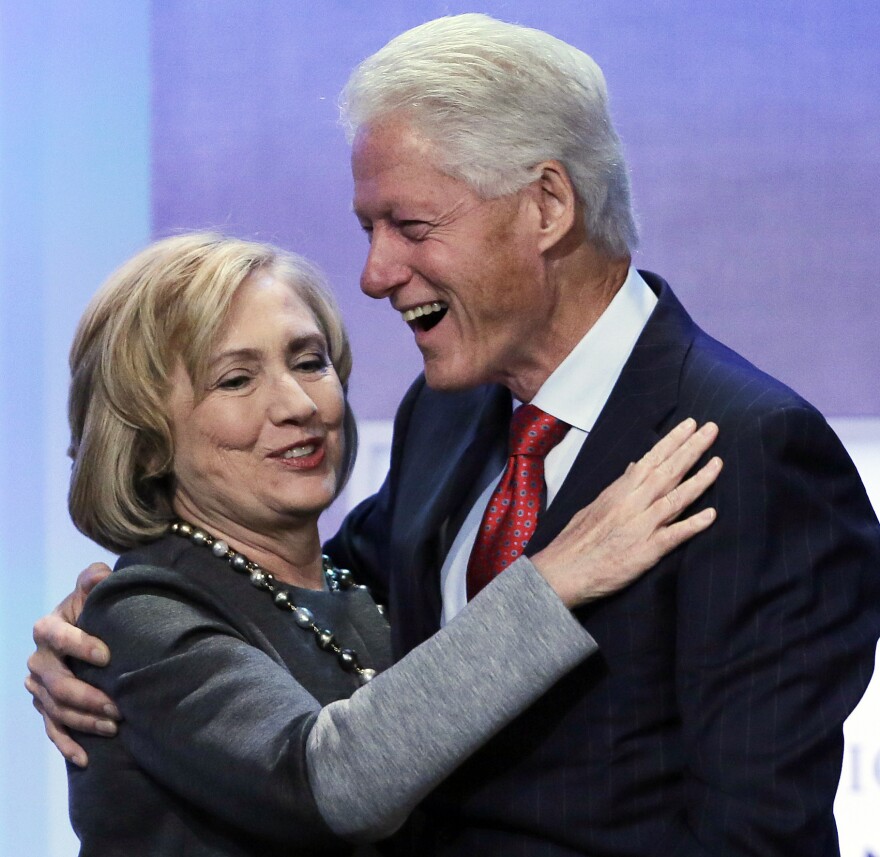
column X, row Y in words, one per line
column 292, row 554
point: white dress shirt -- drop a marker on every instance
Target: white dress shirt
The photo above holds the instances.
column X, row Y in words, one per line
column 575, row 393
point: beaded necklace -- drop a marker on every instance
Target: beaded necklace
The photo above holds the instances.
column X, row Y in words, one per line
column 338, row 579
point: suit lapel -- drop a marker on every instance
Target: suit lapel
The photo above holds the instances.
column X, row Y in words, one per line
column 452, row 457
column 460, row 437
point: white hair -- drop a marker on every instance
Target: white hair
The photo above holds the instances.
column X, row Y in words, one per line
column 496, row 99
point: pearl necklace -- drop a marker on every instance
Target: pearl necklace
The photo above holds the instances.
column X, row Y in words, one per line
column 338, row 579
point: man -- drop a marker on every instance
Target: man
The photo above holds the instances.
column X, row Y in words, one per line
column 492, row 186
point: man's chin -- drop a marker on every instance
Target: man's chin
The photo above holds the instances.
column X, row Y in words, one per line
column 448, row 379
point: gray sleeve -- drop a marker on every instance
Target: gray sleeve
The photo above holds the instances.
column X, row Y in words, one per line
column 373, row 757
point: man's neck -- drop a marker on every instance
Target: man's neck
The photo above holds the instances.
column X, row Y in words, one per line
column 586, row 282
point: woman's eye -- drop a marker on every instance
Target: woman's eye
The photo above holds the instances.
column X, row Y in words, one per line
column 233, row 382
column 312, row 363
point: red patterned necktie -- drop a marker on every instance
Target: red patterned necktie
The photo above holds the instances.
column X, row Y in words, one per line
column 512, row 513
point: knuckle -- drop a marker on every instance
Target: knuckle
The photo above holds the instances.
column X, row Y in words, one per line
column 42, row 627
column 666, row 470
column 673, row 500
column 648, row 461
column 54, row 635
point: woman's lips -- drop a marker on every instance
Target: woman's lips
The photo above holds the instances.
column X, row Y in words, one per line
column 303, row 456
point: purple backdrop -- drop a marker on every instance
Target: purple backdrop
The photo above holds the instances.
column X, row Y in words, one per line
column 753, row 132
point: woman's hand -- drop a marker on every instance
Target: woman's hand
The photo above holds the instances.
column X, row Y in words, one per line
column 633, row 523
column 64, row 701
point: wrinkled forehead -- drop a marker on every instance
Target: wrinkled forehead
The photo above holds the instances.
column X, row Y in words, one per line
column 394, row 164
column 392, row 141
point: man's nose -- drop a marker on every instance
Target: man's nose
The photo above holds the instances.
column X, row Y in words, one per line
column 386, row 267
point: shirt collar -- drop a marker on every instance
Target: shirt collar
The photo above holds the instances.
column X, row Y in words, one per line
column 578, row 388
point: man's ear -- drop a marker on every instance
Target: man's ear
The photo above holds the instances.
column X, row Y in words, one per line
column 558, row 204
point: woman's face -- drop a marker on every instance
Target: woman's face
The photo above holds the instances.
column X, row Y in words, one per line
column 262, row 448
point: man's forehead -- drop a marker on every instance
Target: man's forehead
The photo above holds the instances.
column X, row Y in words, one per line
column 386, row 177
column 391, row 142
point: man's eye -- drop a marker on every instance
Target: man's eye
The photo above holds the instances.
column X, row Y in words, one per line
column 415, row 230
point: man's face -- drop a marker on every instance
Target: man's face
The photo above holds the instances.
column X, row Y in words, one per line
column 465, row 273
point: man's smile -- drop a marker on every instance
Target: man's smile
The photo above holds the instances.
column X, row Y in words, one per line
column 426, row 315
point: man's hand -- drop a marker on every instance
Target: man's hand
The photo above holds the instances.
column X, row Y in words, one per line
column 64, row 701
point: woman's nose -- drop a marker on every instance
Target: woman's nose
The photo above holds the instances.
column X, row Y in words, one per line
column 290, row 402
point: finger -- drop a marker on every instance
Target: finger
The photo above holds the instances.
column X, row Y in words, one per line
column 670, row 537
column 59, row 690
column 668, row 472
column 63, row 718
column 65, row 744
column 66, row 640
column 90, row 577
column 687, row 455
column 667, row 445
column 678, row 498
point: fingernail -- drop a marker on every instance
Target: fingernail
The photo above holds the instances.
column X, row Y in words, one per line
column 79, row 759
column 106, row 727
column 100, row 657
column 112, row 711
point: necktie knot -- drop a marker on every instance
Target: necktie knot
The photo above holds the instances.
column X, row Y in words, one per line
column 533, row 432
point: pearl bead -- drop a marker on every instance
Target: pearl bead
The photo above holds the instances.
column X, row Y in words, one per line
column 282, row 599
column 239, row 562
column 303, row 617
column 258, row 578
column 366, row 675
column 347, row 659
column 324, row 639
column 186, row 529
column 199, row 537
column 220, row 548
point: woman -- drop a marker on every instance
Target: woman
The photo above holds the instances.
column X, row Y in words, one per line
column 209, row 431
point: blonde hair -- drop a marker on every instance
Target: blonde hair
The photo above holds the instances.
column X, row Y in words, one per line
column 168, row 302
column 496, row 99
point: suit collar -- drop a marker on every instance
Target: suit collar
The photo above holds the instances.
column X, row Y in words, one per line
column 593, row 366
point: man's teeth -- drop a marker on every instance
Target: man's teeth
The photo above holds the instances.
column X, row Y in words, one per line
column 424, row 309
column 298, row 451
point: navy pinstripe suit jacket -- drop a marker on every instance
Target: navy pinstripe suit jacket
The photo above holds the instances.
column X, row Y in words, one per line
column 710, row 722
